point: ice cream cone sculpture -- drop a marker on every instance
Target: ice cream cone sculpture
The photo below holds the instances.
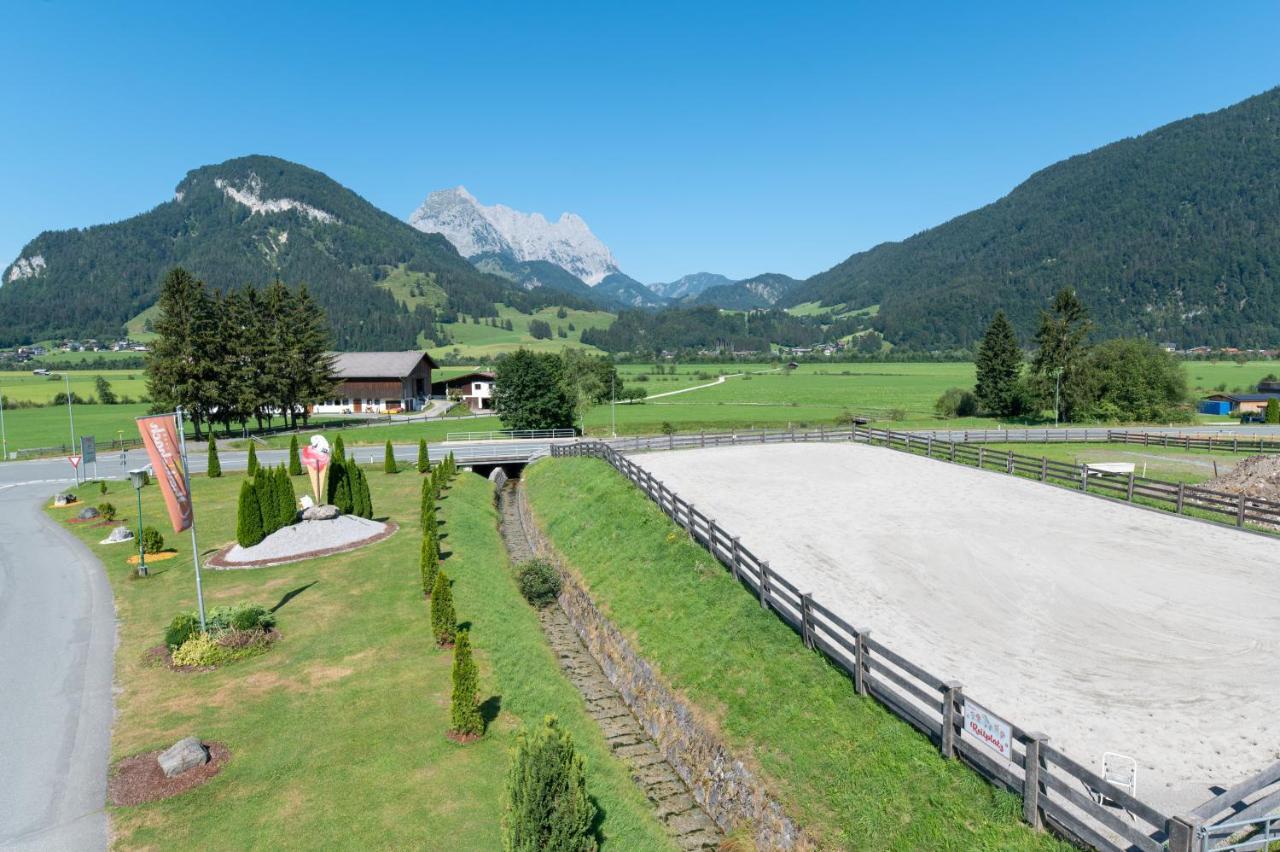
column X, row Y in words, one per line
column 315, row 457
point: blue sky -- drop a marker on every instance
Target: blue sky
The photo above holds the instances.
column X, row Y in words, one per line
column 734, row 138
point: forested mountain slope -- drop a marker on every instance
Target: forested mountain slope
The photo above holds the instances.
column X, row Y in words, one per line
column 1174, row 235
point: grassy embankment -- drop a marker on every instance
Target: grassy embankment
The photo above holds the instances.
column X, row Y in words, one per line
column 337, row 733
column 854, row 775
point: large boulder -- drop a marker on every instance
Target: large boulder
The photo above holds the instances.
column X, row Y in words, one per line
column 64, row 499
column 184, row 755
column 88, row 513
column 118, row 535
column 325, row 512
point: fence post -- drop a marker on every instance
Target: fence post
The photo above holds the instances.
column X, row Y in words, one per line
column 982, row 456
column 1240, row 512
column 954, row 692
column 733, row 557
column 1181, row 832
column 1008, row 462
column 1181, row 496
column 860, row 662
column 928, row 447
column 1084, row 478
column 764, row 585
column 1032, row 784
column 702, row 435
column 1044, row 469
column 1128, row 492
column 671, row 440
column 1235, row 443
column 953, row 452
column 806, row 620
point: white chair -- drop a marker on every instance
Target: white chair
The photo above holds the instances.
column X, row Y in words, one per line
column 1121, row 771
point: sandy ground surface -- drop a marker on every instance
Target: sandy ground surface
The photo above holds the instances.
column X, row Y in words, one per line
column 1107, row 627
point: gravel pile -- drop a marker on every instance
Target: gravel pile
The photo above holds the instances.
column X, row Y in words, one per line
column 307, row 538
column 1256, row 476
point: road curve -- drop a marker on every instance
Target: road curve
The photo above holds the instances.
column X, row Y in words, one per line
column 57, row 640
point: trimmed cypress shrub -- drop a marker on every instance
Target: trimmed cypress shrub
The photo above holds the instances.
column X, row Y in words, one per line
column 426, row 504
column 215, row 466
column 286, row 498
column 424, row 458
column 339, row 449
column 444, row 621
column 430, row 561
column 248, row 516
column 295, row 461
column 264, row 485
column 364, row 504
column 389, row 459
column 252, row 467
column 546, row 802
column 464, row 704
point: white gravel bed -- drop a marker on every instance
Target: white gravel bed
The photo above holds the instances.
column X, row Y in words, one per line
column 1107, row 627
column 307, row 537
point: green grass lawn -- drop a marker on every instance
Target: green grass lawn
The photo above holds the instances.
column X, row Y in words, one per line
column 22, row 386
column 1169, row 464
column 851, row 773
column 337, row 733
column 27, row 428
column 471, row 340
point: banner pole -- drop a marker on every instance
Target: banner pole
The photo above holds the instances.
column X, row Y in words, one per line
column 186, row 475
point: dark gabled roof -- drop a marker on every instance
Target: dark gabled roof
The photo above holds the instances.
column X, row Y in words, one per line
column 484, row 375
column 1244, row 397
column 366, row 365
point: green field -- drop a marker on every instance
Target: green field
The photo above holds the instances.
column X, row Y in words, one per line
column 338, row 731
column 854, row 776
column 1169, row 464
column 1206, row 377
column 22, row 386
column 473, row 341
column 413, row 288
column 27, row 428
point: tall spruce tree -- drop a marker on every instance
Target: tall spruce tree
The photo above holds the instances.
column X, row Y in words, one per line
column 464, row 704
column 248, row 516
column 547, row 806
column 181, row 367
column 424, row 460
column 999, row 366
column 214, row 467
column 389, row 459
column 295, row 461
column 1062, row 349
column 251, row 466
column 444, row 621
column 429, row 561
column 264, row 485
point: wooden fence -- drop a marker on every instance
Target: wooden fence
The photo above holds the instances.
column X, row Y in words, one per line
column 1182, row 499
column 1056, row 791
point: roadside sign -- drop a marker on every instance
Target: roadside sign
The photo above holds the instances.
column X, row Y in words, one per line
column 987, row 728
column 88, row 449
column 75, row 461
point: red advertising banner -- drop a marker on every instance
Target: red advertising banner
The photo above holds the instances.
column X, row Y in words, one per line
column 160, row 437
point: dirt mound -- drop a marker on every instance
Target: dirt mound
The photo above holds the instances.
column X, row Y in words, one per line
column 1256, row 476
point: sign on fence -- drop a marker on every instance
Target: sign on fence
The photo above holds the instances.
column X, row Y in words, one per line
column 987, row 728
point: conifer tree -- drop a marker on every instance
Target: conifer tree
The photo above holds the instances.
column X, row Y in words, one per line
column 389, row 459
column 999, row 365
column 343, row 496
column 429, row 561
column 362, row 497
column 426, row 503
column 1272, row 414
column 424, row 459
column 339, row 449
column 295, row 461
column 286, row 497
column 547, row 806
column 252, row 468
column 248, row 516
column 444, row 621
column 264, row 485
column 464, row 704
column 429, row 521
column 215, row 466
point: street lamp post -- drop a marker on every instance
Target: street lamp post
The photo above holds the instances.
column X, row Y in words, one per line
column 139, row 478
column 71, row 420
column 4, row 440
column 1057, row 390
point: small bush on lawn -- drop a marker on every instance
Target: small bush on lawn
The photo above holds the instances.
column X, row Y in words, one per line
column 539, row 582
column 183, row 627
column 107, row 511
column 243, row 616
column 430, row 560
column 547, row 806
column 464, row 705
column 102, row 487
column 206, row 649
column 152, row 541
column 444, row 621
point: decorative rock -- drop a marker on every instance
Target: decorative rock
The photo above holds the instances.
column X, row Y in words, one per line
column 118, row 535
column 320, row 513
column 64, row 499
column 185, row 754
column 88, row 513
column 306, row 502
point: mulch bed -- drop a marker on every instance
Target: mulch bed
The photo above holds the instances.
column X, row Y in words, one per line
column 139, row 779
column 218, row 559
column 160, row 655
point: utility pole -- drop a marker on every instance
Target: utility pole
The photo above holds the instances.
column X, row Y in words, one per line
column 4, row 440
column 71, row 419
column 613, row 402
column 1057, row 391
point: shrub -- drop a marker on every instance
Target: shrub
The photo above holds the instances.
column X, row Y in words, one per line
column 667, row 428
column 897, row 414
column 464, row 704
column 444, row 621
column 424, row 458
column 199, row 650
column 248, row 516
column 215, row 466
column 547, row 806
column 264, row 486
column 389, row 459
column 1273, row 411
column 286, row 498
column 539, row 582
column 107, row 511
column 183, row 627
column 295, row 461
column 430, row 560
column 252, row 467
column 956, row 402
column 242, row 616
column 152, row 541
column 205, row 649
column 102, row 487
column 339, row 449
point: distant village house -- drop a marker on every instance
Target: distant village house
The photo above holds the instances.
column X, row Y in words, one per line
column 474, row 389
column 379, row 383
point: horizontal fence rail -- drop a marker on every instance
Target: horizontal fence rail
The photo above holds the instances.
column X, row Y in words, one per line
column 511, row 435
column 1237, row 510
column 1056, row 790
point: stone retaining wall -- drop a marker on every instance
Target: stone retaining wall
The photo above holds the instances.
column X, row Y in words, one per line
column 725, row 788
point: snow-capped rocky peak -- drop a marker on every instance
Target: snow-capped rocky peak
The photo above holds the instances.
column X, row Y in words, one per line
column 25, row 267
column 476, row 229
column 249, row 193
